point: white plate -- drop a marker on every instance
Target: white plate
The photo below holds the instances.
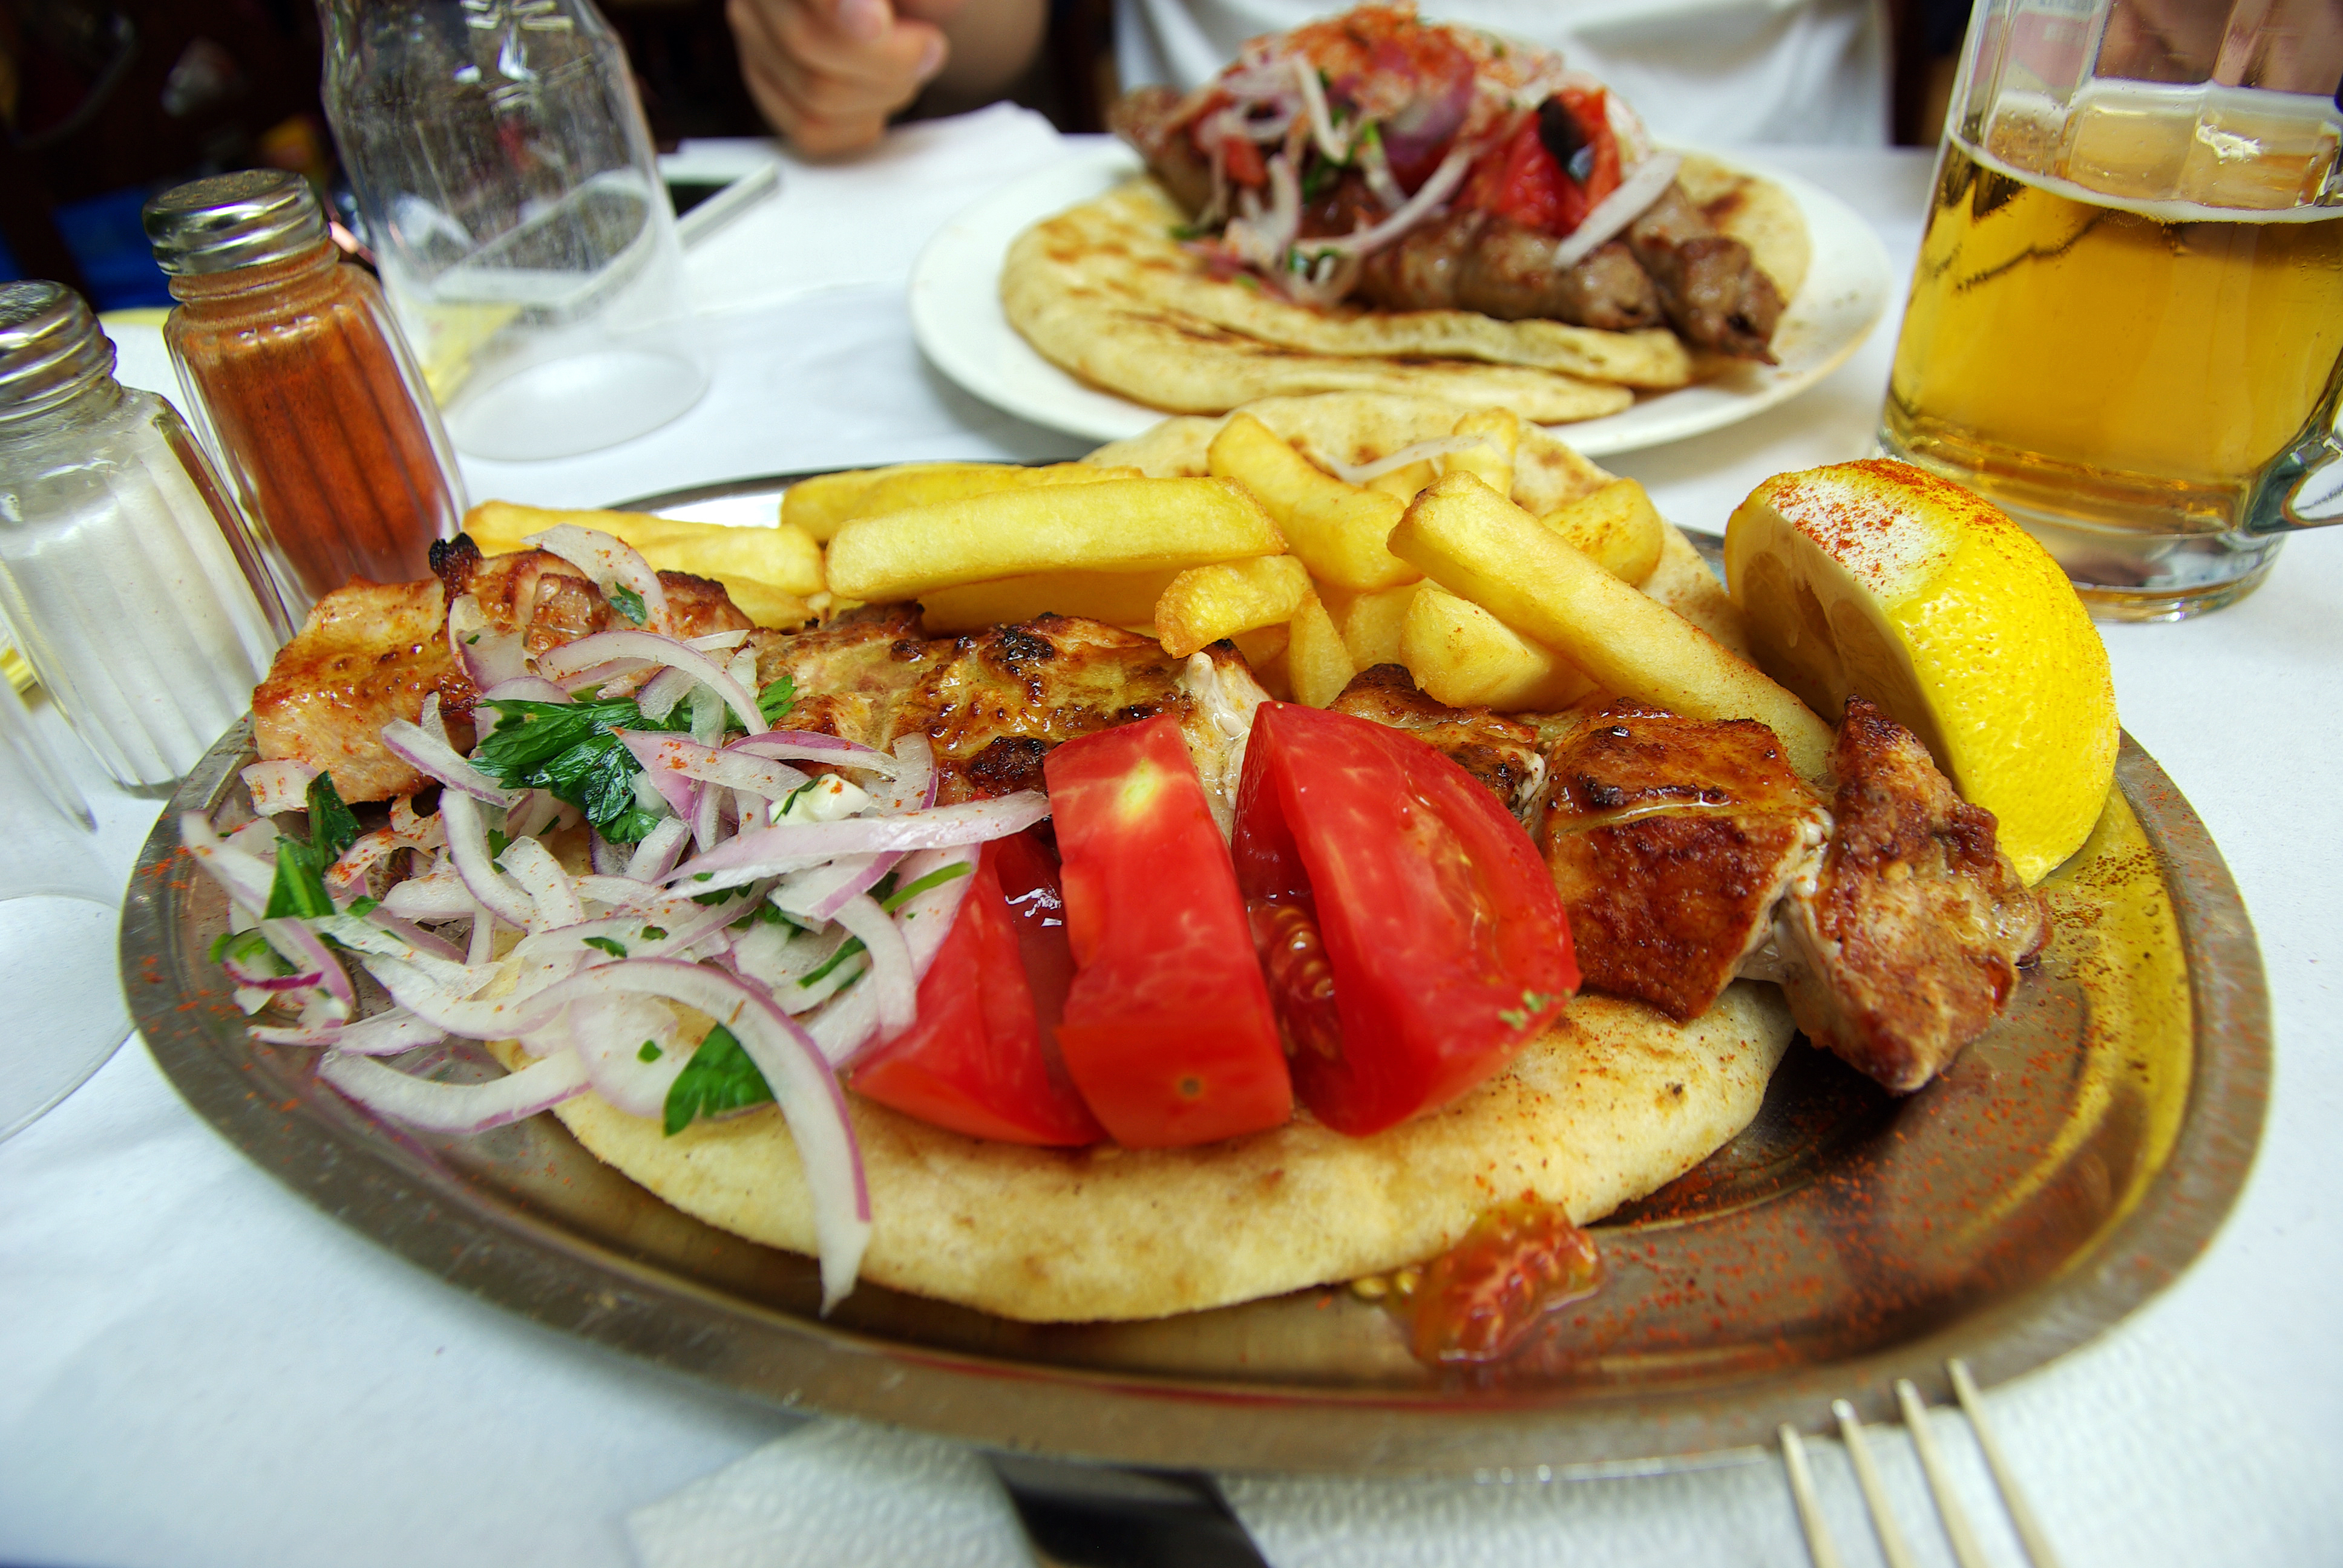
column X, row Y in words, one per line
column 957, row 317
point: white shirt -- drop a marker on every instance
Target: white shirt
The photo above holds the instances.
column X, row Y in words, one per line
column 1697, row 70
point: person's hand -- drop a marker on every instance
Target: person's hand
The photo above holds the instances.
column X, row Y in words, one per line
column 828, row 73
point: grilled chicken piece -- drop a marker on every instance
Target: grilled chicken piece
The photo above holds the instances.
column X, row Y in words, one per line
column 371, row 652
column 1671, row 839
column 994, row 703
column 1905, row 944
column 1500, row 752
column 1709, row 286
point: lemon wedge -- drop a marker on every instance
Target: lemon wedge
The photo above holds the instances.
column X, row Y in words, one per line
column 1880, row 578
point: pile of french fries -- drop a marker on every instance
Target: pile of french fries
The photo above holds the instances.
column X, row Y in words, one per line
column 1430, row 565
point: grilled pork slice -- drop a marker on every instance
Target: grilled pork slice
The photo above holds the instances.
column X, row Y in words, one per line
column 1500, row 752
column 1904, row 945
column 994, row 703
column 1470, row 260
column 371, row 652
column 1671, row 839
column 1709, row 286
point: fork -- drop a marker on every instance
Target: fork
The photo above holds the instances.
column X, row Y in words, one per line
column 1950, row 1513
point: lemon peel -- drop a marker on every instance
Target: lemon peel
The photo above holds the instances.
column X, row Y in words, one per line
column 1880, row 578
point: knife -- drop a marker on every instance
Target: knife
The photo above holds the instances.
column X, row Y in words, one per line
column 1104, row 1516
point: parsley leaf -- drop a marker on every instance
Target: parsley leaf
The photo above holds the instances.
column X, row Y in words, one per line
column 245, row 947
column 627, row 602
column 573, row 749
column 654, row 933
column 650, row 1053
column 300, row 887
column 776, row 697
column 892, row 902
column 719, row 1078
column 332, row 828
column 610, row 945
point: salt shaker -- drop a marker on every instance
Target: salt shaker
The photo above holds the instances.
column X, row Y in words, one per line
column 305, row 390
column 127, row 575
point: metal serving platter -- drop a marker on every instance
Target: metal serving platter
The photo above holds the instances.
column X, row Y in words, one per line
column 2068, row 1167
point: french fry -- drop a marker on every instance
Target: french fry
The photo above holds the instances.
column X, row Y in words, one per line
column 770, row 572
column 828, row 502
column 1476, row 543
column 1467, row 658
column 1369, row 624
column 1618, row 527
column 1264, row 651
column 1118, row 598
column 1317, row 665
column 1405, row 482
column 1205, row 604
column 1500, row 433
column 1337, row 530
column 1116, row 525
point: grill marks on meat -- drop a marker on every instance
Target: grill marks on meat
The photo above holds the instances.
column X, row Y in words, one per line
column 1476, row 261
column 371, row 652
column 1916, row 925
column 1713, row 292
column 995, row 703
column 1500, row 752
column 1671, row 840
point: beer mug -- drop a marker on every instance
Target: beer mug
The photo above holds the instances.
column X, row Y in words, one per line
column 2126, row 328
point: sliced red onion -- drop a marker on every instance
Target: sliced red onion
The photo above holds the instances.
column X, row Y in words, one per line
column 455, row 1107
column 800, row 991
column 257, row 838
column 525, row 688
column 488, row 654
column 607, row 1035
column 484, row 937
column 1414, row 210
column 816, row 894
column 608, row 860
column 811, row 746
column 1336, row 147
column 588, row 652
column 539, row 874
column 1375, row 165
column 384, row 1034
column 424, row 832
column 851, row 1022
column 915, row 787
column 891, row 962
column 467, row 846
column 667, row 688
column 802, row 1085
column 278, row 785
column 253, row 977
column 438, row 959
column 717, row 641
column 345, row 877
column 1645, row 184
column 1261, row 240
column 1437, row 447
column 439, row 895
column 658, row 852
column 246, row 880
column 434, row 758
column 608, row 561
column 532, row 813
column 300, row 945
column 668, row 755
column 433, row 724
column 707, row 819
column 414, row 936
column 796, row 846
column 570, row 945
column 501, row 1018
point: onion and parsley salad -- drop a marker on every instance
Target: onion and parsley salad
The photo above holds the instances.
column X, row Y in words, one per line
column 788, row 916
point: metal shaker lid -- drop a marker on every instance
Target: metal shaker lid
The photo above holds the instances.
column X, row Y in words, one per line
column 228, row 221
column 50, row 346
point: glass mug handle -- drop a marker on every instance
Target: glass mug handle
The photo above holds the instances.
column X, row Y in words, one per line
column 2284, row 498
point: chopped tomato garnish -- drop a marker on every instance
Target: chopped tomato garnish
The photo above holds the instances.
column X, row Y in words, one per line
column 1414, row 935
column 1168, row 1030
column 1519, row 1261
column 974, row 1060
column 1525, row 180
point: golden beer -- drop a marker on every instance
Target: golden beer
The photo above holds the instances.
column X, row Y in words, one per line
column 2115, row 368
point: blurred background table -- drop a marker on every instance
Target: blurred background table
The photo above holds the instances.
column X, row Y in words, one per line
column 197, row 1367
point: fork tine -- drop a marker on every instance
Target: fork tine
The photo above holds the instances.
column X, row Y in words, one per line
column 2029, row 1529
column 1875, row 1495
column 1940, row 1479
column 1819, row 1544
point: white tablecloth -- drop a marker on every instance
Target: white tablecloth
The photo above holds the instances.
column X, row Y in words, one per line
column 197, row 1367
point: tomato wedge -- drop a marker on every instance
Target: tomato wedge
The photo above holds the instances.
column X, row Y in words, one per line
column 1168, row 1030
column 1412, row 936
column 975, row 1060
